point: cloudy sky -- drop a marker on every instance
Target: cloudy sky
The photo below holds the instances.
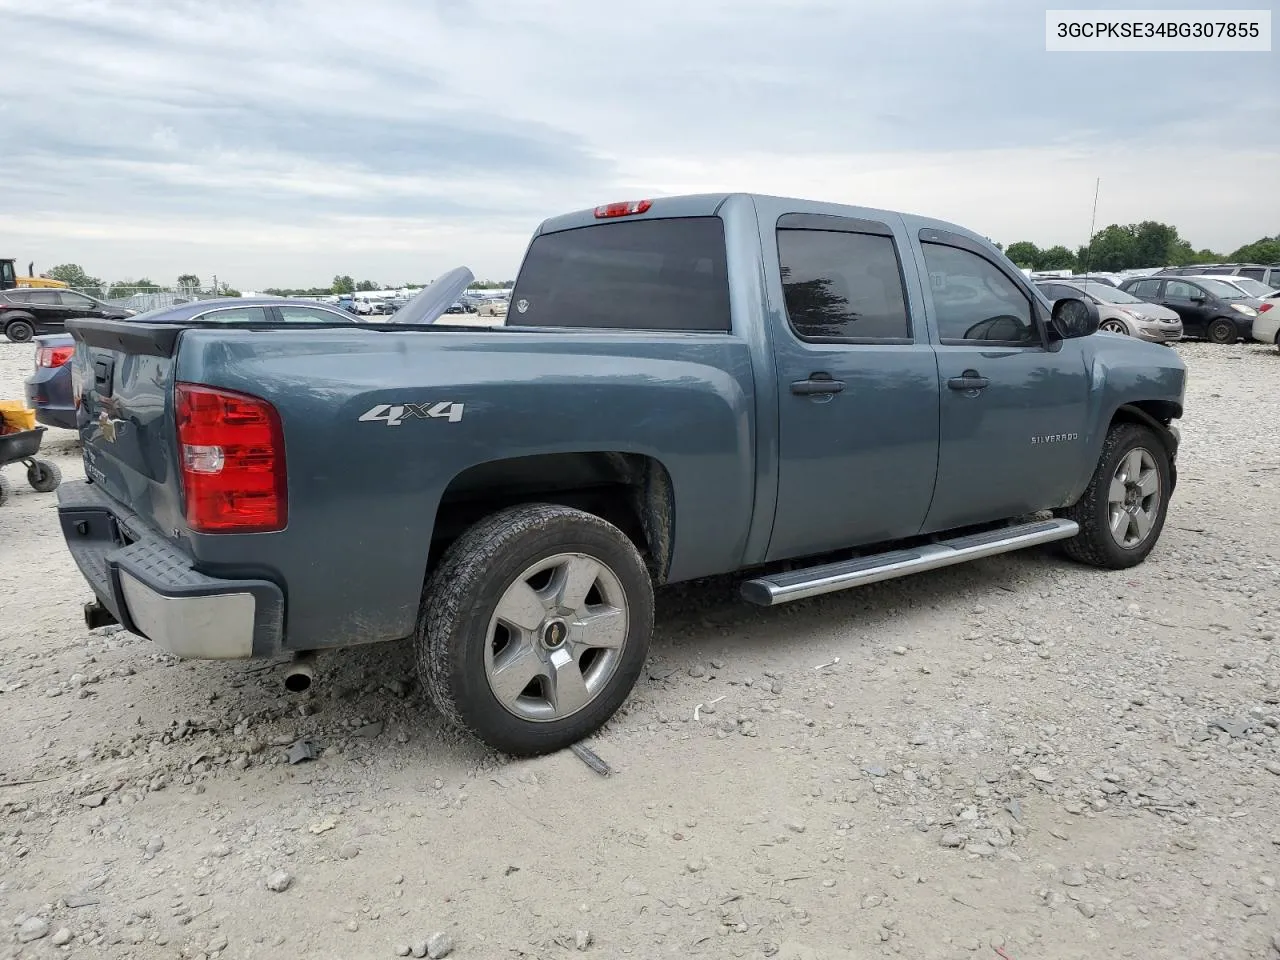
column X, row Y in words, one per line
column 279, row 142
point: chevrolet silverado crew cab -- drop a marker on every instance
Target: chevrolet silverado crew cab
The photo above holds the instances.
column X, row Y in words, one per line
column 812, row 396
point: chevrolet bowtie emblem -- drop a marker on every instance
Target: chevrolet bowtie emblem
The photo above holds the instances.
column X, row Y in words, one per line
column 108, row 425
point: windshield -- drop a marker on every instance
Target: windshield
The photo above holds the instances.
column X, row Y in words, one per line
column 1106, row 293
column 1255, row 288
column 1224, row 291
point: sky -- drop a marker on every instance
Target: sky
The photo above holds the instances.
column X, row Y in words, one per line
column 282, row 142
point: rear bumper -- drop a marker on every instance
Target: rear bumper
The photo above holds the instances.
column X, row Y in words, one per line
column 48, row 392
column 153, row 589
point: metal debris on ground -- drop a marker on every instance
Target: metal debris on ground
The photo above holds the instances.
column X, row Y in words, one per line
column 823, row 666
column 302, row 750
column 588, row 757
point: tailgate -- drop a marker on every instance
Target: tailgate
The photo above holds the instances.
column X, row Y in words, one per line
column 122, row 380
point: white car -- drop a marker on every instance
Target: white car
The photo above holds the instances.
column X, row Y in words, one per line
column 1246, row 285
column 1266, row 325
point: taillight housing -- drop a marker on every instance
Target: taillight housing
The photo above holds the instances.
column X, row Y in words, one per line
column 628, row 208
column 53, row 356
column 1265, row 307
column 231, row 456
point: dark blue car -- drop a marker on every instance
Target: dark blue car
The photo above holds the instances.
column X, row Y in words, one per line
column 49, row 390
column 49, row 387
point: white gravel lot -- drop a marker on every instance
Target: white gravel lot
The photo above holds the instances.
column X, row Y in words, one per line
column 1018, row 758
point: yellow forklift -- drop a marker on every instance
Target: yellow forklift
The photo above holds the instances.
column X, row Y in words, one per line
column 9, row 277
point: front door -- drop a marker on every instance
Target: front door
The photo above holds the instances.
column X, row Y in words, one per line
column 857, row 388
column 1189, row 302
column 1013, row 408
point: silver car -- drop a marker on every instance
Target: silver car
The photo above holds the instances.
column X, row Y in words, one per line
column 1121, row 312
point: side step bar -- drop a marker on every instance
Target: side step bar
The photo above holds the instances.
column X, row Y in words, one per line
column 830, row 577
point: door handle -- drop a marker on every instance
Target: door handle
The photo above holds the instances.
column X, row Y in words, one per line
column 969, row 380
column 816, row 385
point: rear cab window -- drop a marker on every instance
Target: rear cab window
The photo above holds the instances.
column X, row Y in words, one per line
column 842, row 285
column 660, row 274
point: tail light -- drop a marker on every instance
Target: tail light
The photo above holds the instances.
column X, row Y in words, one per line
column 53, row 356
column 1265, row 307
column 232, row 458
column 627, row 208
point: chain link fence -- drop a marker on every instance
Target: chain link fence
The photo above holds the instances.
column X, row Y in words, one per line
column 143, row 298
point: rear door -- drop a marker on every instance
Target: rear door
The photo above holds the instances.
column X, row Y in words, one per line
column 46, row 306
column 857, row 384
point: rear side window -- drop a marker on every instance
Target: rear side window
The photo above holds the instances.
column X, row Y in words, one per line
column 311, row 315
column 235, row 315
column 18, row 296
column 1146, row 288
column 1255, row 273
column 842, row 286
column 638, row 275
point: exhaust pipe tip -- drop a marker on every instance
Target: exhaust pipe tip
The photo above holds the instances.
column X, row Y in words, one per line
column 300, row 673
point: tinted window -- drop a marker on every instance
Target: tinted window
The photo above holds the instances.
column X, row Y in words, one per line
column 234, row 315
column 1212, row 271
column 1056, row 291
column 18, row 296
column 311, row 315
column 1180, row 290
column 1146, row 288
column 44, row 297
column 76, row 300
column 974, row 300
column 1256, row 273
column 636, row 275
column 842, row 285
column 6, row 272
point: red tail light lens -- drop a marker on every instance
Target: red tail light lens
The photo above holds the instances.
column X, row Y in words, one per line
column 53, row 356
column 625, row 209
column 1265, row 307
column 231, row 451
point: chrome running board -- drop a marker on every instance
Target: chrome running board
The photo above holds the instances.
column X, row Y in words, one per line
column 829, row 577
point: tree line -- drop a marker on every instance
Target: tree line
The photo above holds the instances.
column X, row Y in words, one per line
column 74, row 276
column 1135, row 246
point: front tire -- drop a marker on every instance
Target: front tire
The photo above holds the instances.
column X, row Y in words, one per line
column 534, row 627
column 1115, row 326
column 1223, row 331
column 1122, row 512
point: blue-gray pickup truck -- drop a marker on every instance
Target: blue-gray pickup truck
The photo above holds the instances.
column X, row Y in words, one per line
column 812, row 396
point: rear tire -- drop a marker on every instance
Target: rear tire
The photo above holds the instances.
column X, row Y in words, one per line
column 20, row 331
column 534, row 627
column 44, row 476
column 1122, row 511
column 1223, row 331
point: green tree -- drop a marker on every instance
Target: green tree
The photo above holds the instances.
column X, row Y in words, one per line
column 1112, row 248
column 189, row 281
column 343, row 284
column 1056, row 258
column 73, row 275
column 1266, row 250
column 1024, row 253
column 365, row 285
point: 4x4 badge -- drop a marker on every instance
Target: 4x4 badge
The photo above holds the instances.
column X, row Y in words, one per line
column 394, row 414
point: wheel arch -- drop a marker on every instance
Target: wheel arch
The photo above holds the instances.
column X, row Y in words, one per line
column 1157, row 415
column 632, row 491
column 14, row 316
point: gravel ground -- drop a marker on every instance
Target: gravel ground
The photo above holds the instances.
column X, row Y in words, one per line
column 1018, row 758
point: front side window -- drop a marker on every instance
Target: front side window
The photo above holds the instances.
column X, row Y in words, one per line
column 975, row 301
column 76, row 300
column 667, row 274
column 312, row 315
column 1180, row 290
column 1147, row 288
column 235, row 315
column 842, row 286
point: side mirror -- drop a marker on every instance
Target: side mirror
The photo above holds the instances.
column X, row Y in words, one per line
column 1074, row 317
column 1197, row 298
